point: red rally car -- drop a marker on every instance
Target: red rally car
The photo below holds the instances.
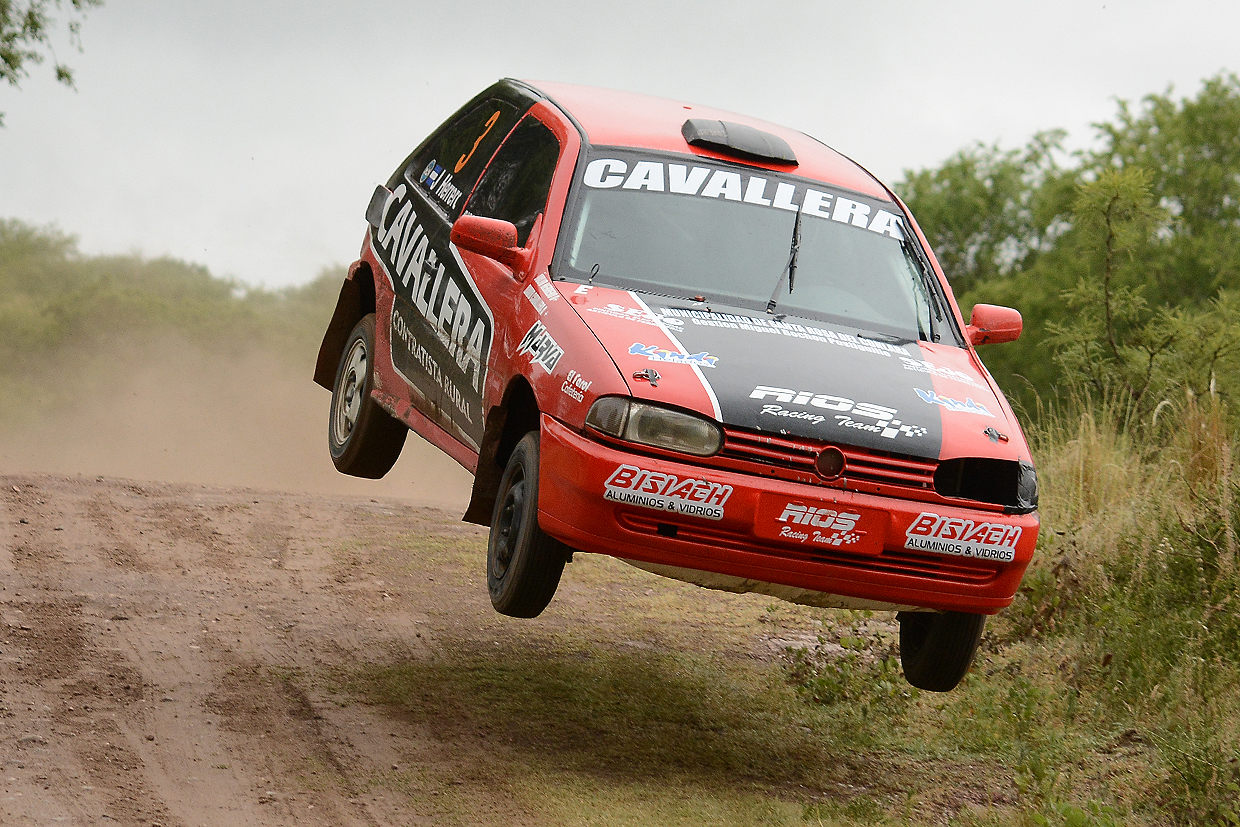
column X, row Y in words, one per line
column 705, row 344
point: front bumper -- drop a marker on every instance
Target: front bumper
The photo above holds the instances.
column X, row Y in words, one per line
column 806, row 543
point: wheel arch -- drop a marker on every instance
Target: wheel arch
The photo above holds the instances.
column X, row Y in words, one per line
column 356, row 299
column 515, row 416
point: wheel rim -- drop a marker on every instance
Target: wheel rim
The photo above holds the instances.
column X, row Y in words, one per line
column 347, row 405
column 511, row 519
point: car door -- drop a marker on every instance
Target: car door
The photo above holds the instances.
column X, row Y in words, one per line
column 515, row 187
column 441, row 327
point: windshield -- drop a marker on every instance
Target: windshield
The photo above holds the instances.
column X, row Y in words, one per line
column 679, row 226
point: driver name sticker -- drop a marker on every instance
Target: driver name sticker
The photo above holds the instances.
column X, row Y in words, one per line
column 630, row 485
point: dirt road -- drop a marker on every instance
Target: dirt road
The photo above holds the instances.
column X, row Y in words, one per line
column 178, row 654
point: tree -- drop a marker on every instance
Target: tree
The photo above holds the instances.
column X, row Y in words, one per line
column 1125, row 264
column 25, row 33
column 1191, row 149
column 988, row 211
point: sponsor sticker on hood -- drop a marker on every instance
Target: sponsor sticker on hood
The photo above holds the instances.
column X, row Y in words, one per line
column 818, row 408
column 967, row 406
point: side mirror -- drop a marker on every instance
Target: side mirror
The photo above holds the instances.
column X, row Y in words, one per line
column 992, row 325
column 491, row 237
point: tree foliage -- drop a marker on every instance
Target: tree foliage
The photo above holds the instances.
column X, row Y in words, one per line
column 1124, row 261
column 25, row 34
column 988, row 211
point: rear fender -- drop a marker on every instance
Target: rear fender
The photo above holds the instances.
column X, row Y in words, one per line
column 357, row 298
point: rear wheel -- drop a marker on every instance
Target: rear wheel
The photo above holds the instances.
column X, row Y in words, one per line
column 936, row 648
column 523, row 564
column 364, row 440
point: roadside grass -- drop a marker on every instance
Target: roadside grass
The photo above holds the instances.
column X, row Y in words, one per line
column 1106, row 695
column 592, row 734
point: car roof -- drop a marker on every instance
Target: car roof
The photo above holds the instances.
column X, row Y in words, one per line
column 613, row 118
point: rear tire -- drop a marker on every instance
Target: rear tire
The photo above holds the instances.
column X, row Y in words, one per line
column 936, row 649
column 364, row 440
column 523, row 564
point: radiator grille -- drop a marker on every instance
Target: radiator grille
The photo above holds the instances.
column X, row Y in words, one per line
column 793, row 458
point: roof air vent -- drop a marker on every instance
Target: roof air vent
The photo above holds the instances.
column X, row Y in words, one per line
column 737, row 139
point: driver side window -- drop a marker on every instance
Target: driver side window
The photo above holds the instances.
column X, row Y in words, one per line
column 516, row 184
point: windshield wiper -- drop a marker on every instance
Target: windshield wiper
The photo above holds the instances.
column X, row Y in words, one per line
column 913, row 250
column 790, row 269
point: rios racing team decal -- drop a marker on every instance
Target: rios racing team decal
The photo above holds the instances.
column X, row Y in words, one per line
column 630, row 485
column 822, row 526
column 962, row 537
column 885, row 424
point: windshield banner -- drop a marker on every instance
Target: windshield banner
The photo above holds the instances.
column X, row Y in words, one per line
column 761, row 188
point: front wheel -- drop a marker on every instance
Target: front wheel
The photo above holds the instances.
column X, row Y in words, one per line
column 364, row 440
column 523, row 564
column 936, row 649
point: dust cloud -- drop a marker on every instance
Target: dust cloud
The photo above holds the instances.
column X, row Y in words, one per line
column 176, row 413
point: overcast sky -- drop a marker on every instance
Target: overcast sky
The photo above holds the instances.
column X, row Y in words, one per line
column 247, row 135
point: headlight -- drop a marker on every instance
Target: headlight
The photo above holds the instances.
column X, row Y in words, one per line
column 626, row 418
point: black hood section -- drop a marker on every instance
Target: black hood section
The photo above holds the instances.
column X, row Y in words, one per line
column 809, row 378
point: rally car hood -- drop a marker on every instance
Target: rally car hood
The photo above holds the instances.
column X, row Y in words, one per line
column 801, row 377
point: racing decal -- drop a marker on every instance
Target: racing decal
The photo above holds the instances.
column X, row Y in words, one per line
column 820, row 526
column 962, row 537
column 542, row 349
column 464, row 159
column 441, row 328
column 753, row 324
column 441, row 292
column 661, row 354
column 715, row 410
column 439, row 183
column 885, row 424
column 632, row 314
column 630, row 485
column 575, row 386
column 815, row 525
column 549, row 293
column 535, row 299
column 938, row 371
column 732, row 185
column 422, row 356
column 967, row 406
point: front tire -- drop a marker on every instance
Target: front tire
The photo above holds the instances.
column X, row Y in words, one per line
column 936, row 649
column 523, row 564
column 364, row 440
